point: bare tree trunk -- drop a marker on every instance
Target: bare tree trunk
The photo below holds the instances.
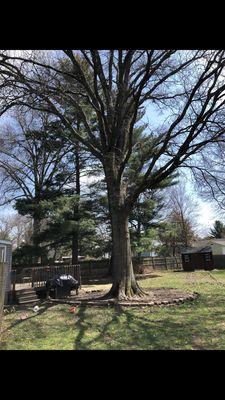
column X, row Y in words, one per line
column 139, row 235
column 75, row 248
column 36, row 231
column 75, row 237
column 110, row 273
column 124, row 282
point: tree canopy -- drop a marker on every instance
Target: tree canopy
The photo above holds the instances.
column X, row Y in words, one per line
column 117, row 85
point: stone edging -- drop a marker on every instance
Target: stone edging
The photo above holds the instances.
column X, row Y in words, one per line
column 97, row 303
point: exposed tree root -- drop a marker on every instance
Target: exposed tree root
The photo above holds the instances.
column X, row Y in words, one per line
column 119, row 292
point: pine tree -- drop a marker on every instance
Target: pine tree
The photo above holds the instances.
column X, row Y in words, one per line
column 186, row 85
column 218, row 230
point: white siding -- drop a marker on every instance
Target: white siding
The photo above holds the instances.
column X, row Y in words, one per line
column 8, row 260
column 217, row 249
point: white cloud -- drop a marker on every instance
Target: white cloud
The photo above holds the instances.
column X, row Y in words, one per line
column 206, row 217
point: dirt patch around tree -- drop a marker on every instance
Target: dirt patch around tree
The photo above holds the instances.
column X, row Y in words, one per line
column 154, row 297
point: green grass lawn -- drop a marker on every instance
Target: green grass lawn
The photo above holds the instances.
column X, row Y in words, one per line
column 193, row 325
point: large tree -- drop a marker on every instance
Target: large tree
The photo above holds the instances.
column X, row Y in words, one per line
column 182, row 213
column 187, row 85
column 33, row 165
column 60, row 225
column 209, row 175
column 16, row 228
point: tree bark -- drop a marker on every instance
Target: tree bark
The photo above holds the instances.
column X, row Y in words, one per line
column 75, row 248
column 36, row 231
column 139, row 235
column 124, row 282
column 75, row 237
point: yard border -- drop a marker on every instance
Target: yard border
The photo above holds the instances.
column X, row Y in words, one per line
column 107, row 303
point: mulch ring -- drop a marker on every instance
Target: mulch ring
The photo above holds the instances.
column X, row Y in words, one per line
column 155, row 297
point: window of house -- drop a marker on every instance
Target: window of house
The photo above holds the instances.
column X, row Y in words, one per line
column 186, row 258
column 208, row 257
column 2, row 253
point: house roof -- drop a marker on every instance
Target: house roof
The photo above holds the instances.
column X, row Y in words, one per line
column 5, row 241
column 191, row 250
column 218, row 241
column 207, row 242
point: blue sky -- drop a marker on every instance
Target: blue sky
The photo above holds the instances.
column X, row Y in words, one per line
column 207, row 210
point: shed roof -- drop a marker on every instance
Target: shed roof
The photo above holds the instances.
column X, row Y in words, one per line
column 205, row 249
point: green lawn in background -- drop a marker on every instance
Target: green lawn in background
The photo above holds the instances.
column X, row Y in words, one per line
column 193, row 325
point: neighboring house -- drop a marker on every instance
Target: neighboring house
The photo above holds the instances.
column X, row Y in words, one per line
column 6, row 257
column 68, row 259
column 217, row 245
column 154, row 252
column 149, row 254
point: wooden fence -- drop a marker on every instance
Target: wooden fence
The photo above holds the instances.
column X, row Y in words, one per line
column 143, row 264
column 88, row 270
column 101, row 268
column 36, row 277
column 94, row 269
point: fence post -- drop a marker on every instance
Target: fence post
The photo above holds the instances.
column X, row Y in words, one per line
column 79, row 275
column 14, row 280
column 32, row 278
column 166, row 264
column 89, row 269
column 153, row 263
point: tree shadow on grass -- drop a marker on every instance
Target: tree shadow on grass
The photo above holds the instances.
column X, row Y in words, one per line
column 140, row 332
column 82, row 327
column 81, row 341
column 44, row 308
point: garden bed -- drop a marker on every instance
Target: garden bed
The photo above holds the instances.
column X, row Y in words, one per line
column 154, row 297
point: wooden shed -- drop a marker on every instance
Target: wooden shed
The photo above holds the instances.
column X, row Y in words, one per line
column 197, row 258
column 6, row 258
